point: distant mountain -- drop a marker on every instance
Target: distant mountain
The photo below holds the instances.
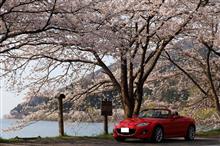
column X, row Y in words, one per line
column 72, row 110
column 27, row 107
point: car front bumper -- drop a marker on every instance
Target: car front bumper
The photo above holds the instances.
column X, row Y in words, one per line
column 134, row 132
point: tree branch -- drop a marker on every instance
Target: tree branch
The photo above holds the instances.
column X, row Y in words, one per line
column 186, row 73
column 70, row 60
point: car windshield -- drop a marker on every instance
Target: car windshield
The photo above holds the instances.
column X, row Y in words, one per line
column 154, row 113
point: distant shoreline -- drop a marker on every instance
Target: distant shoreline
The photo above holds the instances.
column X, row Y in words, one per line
column 65, row 120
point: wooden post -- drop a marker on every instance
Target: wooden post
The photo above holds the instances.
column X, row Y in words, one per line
column 60, row 114
column 106, row 124
column 106, row 110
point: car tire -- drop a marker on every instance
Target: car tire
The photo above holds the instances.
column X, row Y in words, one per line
column 120, row 139
column 158, row 134
column 190, row 135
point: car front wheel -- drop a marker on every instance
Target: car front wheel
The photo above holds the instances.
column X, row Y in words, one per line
column 190, row 135
column 158, row 135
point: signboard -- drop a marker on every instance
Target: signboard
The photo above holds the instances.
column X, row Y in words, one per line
column 106, row 108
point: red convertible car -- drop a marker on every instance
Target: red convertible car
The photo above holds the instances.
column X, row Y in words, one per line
column 155, row 124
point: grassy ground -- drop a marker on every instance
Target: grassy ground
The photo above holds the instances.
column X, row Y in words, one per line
column 8, row 140
column 208, row 134
column 54, row 139
column 211, row 133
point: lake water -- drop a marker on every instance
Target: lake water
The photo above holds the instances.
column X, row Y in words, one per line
column 50, row 129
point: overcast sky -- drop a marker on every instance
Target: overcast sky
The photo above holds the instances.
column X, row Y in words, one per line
column 8, row 100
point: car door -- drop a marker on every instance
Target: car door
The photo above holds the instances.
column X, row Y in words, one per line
column 167, row 122
column 168, row 127
column 173, row 127
column 178, row 126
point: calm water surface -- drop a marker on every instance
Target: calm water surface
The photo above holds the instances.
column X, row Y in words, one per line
column 50, row 129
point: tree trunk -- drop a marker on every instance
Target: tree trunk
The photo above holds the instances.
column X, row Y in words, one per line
column 127, row 99
column 217, row 104
column 139, row 100
column 128, row 111
column 128, row 105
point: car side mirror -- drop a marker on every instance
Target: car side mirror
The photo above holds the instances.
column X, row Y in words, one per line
column 134, row 116
column 175, row 117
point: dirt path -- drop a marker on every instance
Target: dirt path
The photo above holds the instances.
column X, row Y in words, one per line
column 104, row 142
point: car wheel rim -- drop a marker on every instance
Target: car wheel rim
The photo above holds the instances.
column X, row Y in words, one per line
column 191, row 132
column 159, row 135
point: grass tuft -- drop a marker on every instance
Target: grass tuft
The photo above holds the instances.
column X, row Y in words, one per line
column 210, row 133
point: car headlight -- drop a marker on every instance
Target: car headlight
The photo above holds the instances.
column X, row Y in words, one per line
column 142, row 124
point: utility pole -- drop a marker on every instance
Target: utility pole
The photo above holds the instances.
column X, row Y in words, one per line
column 60, row 114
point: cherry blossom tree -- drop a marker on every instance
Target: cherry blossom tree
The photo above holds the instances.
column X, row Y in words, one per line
column 202, row 58
column 52, row 43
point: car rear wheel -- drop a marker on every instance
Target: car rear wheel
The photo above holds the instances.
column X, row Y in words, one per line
column 158, row 135
column 120, row 139
column 191, row 131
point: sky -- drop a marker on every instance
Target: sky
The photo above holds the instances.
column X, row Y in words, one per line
column 8, row 100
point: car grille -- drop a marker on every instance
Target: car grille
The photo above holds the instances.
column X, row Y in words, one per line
column 131, row 132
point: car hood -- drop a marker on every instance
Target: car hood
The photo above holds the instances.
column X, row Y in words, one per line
column 135, row 121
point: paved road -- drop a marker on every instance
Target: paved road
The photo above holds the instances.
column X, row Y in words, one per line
column 102, row 142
